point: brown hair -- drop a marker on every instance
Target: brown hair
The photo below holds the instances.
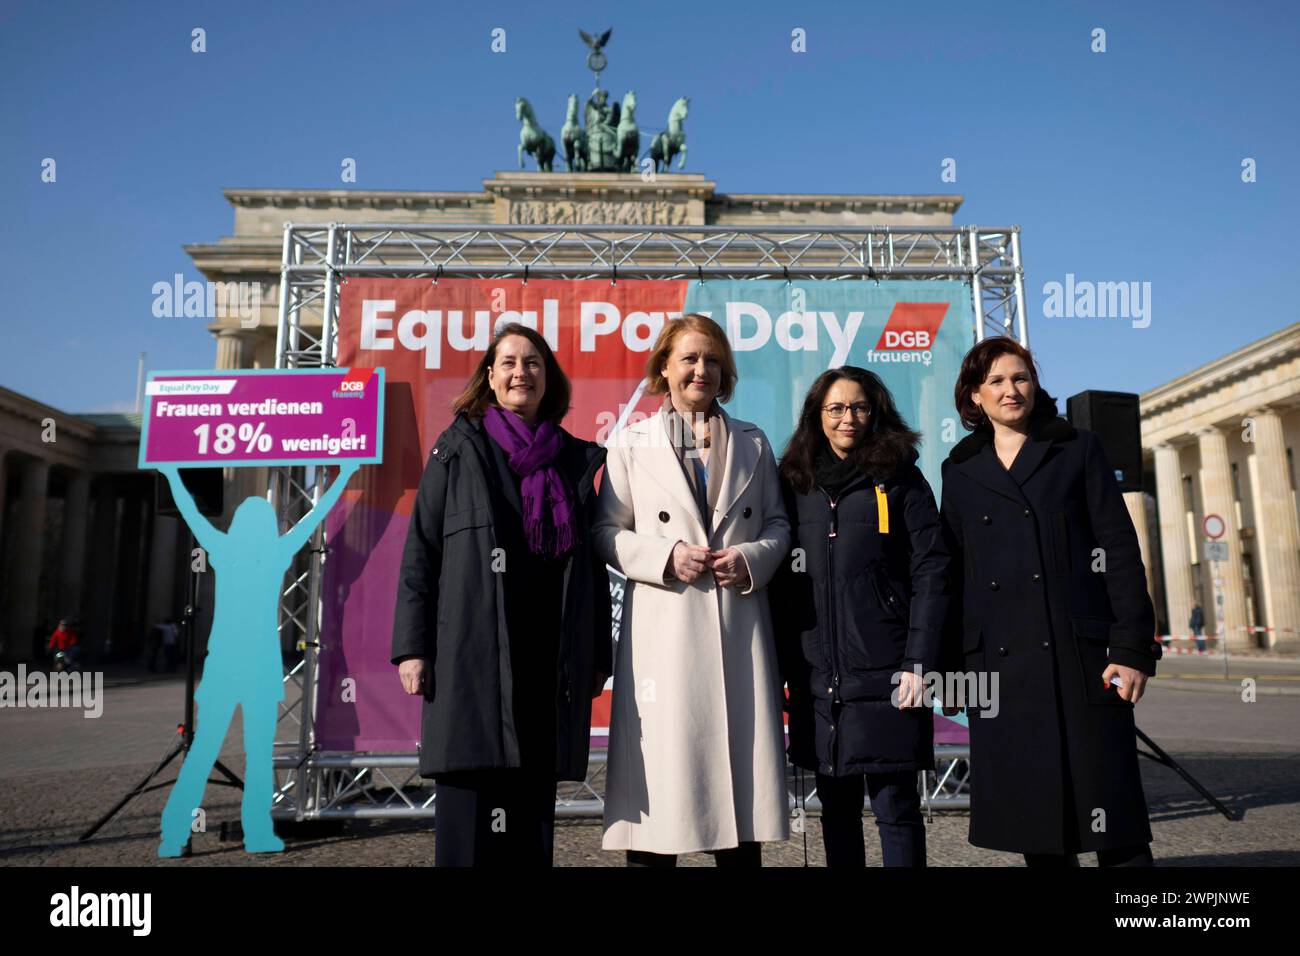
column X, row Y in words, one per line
column 656, row 384
column 975, row 368
column 473, row 402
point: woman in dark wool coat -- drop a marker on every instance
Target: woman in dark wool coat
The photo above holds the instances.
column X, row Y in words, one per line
column 861, row 622
column 503, row 611
column 1053, row 609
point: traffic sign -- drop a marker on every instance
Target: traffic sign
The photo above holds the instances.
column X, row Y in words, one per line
column 1214, row 526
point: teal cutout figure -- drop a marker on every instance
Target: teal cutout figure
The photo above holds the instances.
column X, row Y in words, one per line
column 243, row 665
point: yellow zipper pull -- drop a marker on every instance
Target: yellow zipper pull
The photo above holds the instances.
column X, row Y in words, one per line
column 882, row 509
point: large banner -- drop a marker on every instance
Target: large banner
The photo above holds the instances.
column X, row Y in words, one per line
column 428, row 336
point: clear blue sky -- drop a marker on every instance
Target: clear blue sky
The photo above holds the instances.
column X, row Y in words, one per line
column 1120, row 166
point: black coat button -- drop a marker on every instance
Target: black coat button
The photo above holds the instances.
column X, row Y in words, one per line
column 993, row 585
column 1003, row 652
column 663, row 516
column 1156, row 648
column 1037, row 578
column 985, row 519
column 747, row 512
column 1046, row 645
column 1027, row 513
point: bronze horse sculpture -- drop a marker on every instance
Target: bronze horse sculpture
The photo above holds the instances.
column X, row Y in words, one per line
column 672, row 140
column 532, row 138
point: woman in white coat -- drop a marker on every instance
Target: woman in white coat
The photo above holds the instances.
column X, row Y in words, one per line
column 690, row 511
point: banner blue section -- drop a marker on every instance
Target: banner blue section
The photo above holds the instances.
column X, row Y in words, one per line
column 913, row 334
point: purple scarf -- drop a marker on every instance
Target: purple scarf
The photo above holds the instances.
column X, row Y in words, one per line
column 549, row 522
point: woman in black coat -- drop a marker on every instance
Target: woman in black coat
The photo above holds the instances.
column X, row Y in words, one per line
column 1054, row 613
column 503, row 610
column 860, row 612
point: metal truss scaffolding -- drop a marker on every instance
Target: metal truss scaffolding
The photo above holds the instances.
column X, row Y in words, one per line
column 317, row 258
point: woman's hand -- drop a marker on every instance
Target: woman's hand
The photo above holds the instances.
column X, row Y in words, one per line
column 909, row 693
column 1135, row 682
column 688, row 562
column 411, row 674
column 729, row 568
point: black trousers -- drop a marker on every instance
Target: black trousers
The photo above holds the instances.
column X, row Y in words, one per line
column 495, row 818
column 896, row 805
column 746, row 855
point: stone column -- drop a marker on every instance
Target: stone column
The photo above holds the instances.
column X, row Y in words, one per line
column 27, row 539
column 100, row 579
column 1278, row 530
column 126, row 638
column 235, row 347
column 1216, row 497
column 1136, row 502
column 76, row 513
column 1173, row 537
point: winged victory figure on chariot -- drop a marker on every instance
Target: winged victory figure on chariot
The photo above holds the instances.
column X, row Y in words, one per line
column 608, row 139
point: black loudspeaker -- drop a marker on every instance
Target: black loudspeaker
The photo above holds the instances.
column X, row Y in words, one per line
column 206, row 488
column 1115, row 418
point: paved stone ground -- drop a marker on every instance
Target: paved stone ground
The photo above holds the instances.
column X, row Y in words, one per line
column 59, row 772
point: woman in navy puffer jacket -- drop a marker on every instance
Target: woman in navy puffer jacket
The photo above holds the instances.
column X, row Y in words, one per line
column 859, row 611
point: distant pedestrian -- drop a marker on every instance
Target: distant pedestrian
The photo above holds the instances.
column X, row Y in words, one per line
column 1197, row 624
column 66, row 639
column 170, row 643
column 153, row 645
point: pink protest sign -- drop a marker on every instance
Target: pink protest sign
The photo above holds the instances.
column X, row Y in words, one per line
column 263, row 417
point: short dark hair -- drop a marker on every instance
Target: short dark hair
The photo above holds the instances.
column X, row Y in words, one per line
column 884, row 446
column 975, row 369
column 477, row 395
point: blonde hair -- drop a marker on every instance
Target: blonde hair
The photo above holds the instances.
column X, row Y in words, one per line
column 656, row 384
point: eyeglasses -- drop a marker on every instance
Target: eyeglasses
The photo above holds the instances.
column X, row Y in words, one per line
column 836, row 410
